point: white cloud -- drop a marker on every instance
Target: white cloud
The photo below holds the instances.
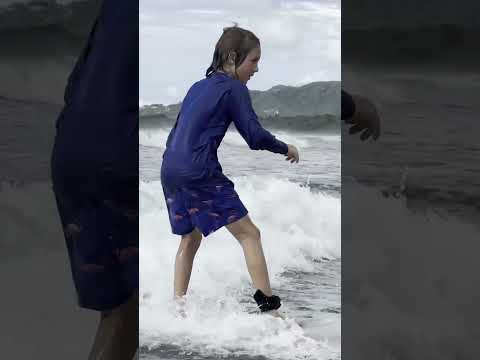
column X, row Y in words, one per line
column 312, row 77
column 172, row 91
column 177, row 38
column 278, row 32
column 203, row 11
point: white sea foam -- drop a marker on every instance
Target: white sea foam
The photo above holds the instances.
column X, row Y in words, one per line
column 296, row 224
column 153, row 137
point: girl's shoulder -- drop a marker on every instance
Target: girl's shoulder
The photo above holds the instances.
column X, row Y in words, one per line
column 217, row 85
column 239, row 89
column 222, row 78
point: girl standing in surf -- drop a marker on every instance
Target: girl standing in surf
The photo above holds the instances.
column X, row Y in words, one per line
column 200, row 198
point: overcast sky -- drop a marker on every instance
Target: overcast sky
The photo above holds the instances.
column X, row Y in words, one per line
column 300, row 42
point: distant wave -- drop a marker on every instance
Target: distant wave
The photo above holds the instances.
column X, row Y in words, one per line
column 50, row 41
column 75, row 17
column 440, row 44
column 325, row 123
column 35, row 79
column 40, row 43
column 409, row 13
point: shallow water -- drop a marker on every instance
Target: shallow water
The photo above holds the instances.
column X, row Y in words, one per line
column 297, row 208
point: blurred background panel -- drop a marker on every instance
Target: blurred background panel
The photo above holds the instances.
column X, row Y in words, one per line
column 41, row 41
column 410, row 201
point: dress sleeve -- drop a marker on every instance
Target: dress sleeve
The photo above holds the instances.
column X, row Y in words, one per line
column 348, row 106
column 246, row 121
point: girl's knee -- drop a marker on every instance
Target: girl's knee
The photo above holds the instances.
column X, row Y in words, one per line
column 255, row 232
column 250, row 233
column 244, row 229
column 192, row 240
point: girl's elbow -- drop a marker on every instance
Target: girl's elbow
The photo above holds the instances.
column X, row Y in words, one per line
column 254, row 145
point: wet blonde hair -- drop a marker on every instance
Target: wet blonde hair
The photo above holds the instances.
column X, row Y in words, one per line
column 234, row 39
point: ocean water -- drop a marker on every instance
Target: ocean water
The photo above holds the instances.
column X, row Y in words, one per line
column 33, row 258
column 411, row 228
column 429, row 146
column 297, row 208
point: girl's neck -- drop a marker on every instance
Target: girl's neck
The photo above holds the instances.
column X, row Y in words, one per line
column 226, row 73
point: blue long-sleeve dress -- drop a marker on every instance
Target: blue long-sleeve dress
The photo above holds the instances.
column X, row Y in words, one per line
column 94, row 161
column 197, row 193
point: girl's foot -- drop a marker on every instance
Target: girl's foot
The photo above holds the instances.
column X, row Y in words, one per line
column 180, row 307
column 275, row 313
column 266, row 303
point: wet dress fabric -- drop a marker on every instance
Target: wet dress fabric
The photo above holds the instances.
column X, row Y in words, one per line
column 94, row 163
column 197, row 193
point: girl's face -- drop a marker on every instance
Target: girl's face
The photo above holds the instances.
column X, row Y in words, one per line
column 248, row 67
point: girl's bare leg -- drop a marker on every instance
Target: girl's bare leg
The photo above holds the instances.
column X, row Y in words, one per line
column 189, row 245
column 117, row 333
column 248, row 235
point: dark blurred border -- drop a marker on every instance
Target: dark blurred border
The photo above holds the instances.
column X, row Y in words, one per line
column 411, row 200
column 41, row 41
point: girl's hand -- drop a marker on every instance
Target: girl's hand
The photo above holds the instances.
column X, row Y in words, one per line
column 364, row 119
column 292, row 154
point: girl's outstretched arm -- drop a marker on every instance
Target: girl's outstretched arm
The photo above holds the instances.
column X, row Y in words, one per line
column 246, row 121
